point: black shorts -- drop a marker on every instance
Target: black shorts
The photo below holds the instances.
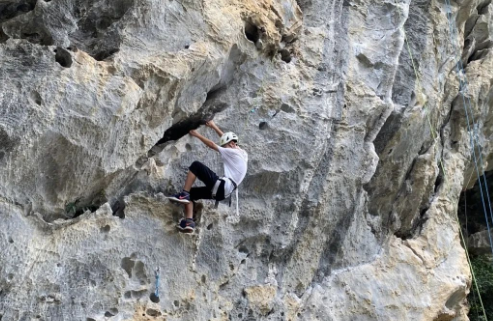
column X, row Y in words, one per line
column 209, row 178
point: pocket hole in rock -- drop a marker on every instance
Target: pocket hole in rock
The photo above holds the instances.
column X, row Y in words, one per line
column 106, row 229
column 3, row 36
column 111, row 313
column 36, row 97
column 252, row 32
column 24, row 7
column 63, row 57
column 263, row 125
column 153, row 313
column 102, row 55
column 285, row 55
column 154, row 298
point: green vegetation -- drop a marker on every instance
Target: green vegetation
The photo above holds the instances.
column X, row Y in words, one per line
column 483, row 270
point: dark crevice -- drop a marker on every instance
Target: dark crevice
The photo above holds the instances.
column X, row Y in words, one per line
column 285, row 55
column 471, row 211
column 99, row 28
column 206, row 113
column 289, row 39
column 483, row 7
column 425, row 147
column 470, row 23
column 263, row 125
column 12, row 9
column 153, row 312
column 182, row 128
column 80, row 206
column 445, row 123
column 118, row 208
column 40, row 38
column 410, row 170
column 438, row 182
column 477, row 55
column 418, row 222
column 154, row 298
column 102, row 55
column 3, row 36
column 287, row 108
column 36, row 97
column 111, row 313
column 304, row 4
column 63, row 57
column 391, row 126
column 252, row 32
column 416, row 227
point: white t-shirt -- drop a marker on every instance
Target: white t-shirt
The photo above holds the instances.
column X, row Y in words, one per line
column 235, row 166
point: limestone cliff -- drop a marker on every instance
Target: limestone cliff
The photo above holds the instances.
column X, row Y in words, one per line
column 358, row 145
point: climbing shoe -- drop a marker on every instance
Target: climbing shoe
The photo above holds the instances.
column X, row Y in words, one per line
column 182, row 197
column 186, row 225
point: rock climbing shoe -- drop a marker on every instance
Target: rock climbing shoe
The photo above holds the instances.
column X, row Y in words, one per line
column 182, row 197
column 186, row 225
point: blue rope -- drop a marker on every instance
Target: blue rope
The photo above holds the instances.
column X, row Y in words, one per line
column 463, row 86
column 156, row 273
column 468, row 105
column 468, row 100
column 481, row 164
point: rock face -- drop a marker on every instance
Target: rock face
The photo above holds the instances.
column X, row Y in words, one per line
column 358, row 139
column 479, row 243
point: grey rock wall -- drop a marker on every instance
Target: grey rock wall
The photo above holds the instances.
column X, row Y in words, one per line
column 357, row 157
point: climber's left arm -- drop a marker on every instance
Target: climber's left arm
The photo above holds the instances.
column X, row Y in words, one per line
column 204, row 140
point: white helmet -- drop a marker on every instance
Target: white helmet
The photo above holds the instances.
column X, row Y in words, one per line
column 227, row 137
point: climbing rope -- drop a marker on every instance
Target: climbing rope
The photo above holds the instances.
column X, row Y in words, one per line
column 156, row 274
column 463, row 86
column 432, row 130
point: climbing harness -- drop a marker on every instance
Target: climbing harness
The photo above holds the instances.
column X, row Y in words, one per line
column 228, row 196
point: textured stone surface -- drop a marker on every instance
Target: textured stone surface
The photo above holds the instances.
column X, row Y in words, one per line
column 356, row 165
column 479, row 243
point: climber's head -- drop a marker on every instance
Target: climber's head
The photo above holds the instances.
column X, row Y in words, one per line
column 228, row 140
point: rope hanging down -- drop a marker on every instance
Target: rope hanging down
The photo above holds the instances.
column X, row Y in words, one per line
column 476, row 286
column 467, row 105
column 463, row 86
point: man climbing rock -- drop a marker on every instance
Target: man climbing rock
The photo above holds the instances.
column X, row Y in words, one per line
column 219, row 188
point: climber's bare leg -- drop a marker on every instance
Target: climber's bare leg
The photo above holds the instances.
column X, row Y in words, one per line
column 189, row 181
column 189, row 210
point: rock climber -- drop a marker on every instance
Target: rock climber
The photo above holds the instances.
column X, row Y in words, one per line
column 219, row 188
